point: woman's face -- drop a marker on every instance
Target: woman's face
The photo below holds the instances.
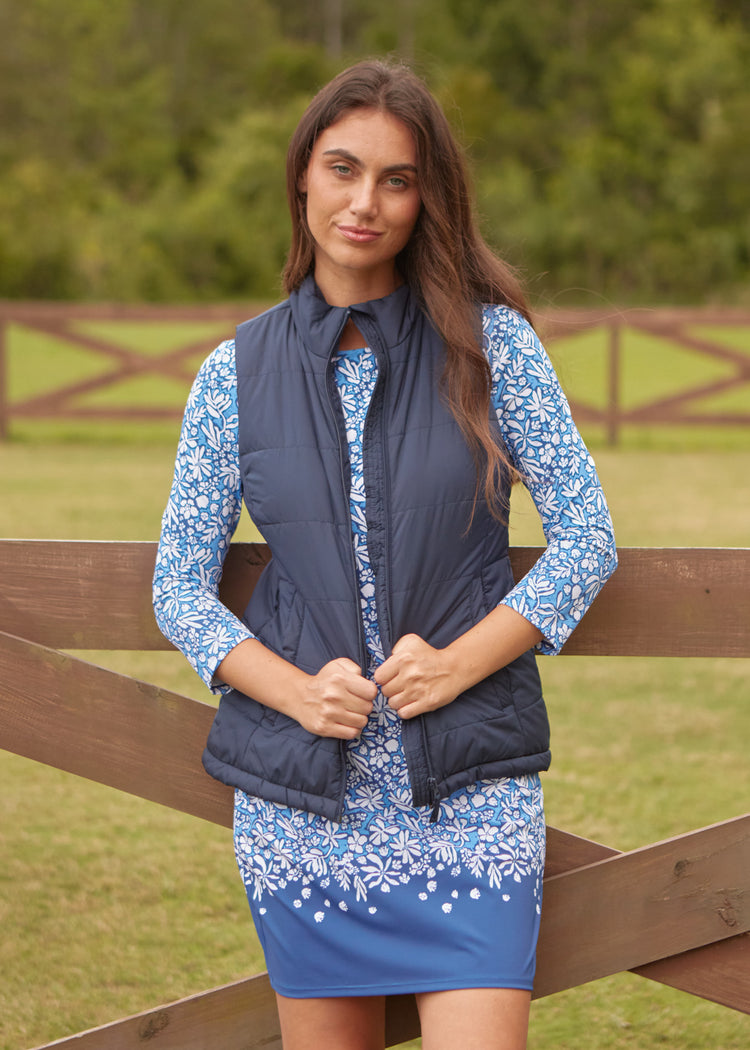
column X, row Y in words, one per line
column 363, row 201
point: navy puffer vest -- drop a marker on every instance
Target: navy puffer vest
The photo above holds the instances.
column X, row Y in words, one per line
column 433, row 578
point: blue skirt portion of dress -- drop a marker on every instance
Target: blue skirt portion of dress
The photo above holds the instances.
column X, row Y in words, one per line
column 388, row 902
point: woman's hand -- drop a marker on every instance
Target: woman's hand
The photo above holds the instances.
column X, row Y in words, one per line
column 417, row 678
column 337, row 701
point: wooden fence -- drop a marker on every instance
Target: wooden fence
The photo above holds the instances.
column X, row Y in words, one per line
column 677, row 912
column 676, row 327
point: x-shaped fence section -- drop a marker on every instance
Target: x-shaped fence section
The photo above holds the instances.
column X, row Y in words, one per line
column 113, row 363
column 677, row 912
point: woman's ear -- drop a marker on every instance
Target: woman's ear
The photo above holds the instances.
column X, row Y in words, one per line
column 302, row 182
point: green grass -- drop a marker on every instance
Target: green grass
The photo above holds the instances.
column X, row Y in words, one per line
column 110, row 905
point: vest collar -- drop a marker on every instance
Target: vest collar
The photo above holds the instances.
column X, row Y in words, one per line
column 320, row 324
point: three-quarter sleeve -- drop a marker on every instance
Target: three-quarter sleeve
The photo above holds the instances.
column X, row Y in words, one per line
column 200, row 518
column 545, row 447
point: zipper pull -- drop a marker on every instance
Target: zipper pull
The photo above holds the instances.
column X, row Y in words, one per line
column 432, row 784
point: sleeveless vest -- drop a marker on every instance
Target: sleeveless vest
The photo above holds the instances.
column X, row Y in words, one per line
column 433, row 576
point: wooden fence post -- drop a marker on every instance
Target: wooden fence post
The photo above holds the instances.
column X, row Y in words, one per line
column 613, row 385
column 3, row 383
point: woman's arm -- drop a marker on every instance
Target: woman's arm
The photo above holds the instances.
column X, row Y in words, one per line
column 559, row 473
column 198, row 523
column 202, row 513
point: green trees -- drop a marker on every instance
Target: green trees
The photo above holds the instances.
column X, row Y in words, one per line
column 142, row 145
column 614, row 158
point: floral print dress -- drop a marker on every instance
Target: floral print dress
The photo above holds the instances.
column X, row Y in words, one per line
column 387, row 901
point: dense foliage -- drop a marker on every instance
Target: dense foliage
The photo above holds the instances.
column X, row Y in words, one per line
column 142, row 144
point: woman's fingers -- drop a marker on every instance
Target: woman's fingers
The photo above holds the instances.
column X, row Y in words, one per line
column 337, row 701
column 416, row 677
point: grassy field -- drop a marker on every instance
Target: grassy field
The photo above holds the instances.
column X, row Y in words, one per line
column 110, row 905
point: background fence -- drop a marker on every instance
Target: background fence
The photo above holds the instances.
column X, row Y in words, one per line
column 717, row 394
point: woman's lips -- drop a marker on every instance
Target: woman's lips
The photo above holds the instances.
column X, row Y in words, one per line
column 359, row 234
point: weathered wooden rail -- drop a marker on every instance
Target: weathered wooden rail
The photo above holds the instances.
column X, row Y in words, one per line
column 63, row 322
column 677, row 912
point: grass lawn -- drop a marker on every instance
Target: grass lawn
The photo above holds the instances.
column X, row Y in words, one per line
column 110, row 905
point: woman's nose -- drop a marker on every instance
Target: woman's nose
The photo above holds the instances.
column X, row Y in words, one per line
column 364, row 198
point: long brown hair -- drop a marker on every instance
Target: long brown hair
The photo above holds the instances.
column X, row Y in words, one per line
column 447, row 264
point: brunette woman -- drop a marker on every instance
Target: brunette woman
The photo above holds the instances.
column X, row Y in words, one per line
column 381, row 716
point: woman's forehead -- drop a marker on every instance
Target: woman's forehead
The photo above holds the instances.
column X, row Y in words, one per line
column 371, row 131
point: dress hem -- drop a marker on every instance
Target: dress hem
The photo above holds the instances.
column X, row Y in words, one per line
column 347, row 991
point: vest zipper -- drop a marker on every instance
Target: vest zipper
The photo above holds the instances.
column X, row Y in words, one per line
column 422, row 783
column 333, row 396
column 435, row 796
column 338, row 420
column 372, row 334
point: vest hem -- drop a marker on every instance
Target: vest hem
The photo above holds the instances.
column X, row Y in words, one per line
column 256, row 786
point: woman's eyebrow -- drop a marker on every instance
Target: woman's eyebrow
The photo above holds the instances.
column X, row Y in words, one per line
column 355, row 160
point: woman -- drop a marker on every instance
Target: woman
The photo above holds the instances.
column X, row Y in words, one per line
column 381, row 715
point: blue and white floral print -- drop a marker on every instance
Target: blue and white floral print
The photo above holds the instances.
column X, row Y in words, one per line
column 199, row 521
column 490, row 836
column 547, row 450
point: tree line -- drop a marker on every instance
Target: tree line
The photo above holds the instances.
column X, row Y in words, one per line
column 142, row 144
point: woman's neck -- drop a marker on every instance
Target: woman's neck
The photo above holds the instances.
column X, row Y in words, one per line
column 345, row 289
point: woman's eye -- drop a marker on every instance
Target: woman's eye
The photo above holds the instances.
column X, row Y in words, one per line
column 342, row 169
